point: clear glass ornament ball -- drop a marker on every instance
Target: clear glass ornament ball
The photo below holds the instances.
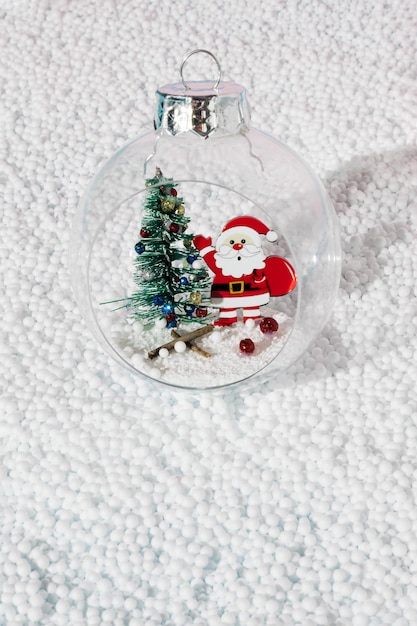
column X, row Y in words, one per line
column 222, row 168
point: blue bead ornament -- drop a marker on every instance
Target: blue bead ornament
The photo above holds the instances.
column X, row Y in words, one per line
column 189, row 309
column 139, row 247
column 183, row 280
column 158, row 300
column 191, row 258
column 167, row 308
column 172, row 324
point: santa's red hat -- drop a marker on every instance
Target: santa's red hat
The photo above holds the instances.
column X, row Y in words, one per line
column 246, row 225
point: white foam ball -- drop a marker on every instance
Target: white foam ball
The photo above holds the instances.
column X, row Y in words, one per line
column 283, row 555
column 250, row 323
column 62, row 591
column 216, row 337
column 309, row 604
column 128, row 351
column 132, row 521
column 272, row 607
column 137, row 326
column 163, row 353
column 35, row 614
column 130, row 604
column 137, row 360
column 62, row 607
column 109, row 615
column 180, row 347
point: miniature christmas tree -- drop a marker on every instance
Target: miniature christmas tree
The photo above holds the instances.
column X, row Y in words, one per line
column 172, row 282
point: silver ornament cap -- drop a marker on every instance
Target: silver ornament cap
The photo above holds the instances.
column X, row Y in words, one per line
column 205, row 108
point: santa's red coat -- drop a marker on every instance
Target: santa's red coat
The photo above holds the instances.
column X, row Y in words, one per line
column 276, row 279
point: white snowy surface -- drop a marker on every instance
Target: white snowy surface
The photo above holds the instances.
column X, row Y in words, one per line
column 292, row 503
column 225, row 364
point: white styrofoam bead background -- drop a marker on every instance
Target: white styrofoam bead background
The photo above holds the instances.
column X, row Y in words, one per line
column 292, row 503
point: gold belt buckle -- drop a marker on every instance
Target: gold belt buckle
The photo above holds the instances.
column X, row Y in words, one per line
column 237, row 286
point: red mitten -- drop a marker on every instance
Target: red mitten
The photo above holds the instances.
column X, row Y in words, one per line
column 258, row 275
column 201, row 242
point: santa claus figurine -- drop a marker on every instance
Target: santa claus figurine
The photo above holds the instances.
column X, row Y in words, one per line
column 243, row 277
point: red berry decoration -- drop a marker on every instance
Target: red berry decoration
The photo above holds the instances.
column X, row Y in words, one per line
column 174, row 228
column 201, row 312
column 268, row 325
column 173, row 192
column 144, row 233
column 170, row 317
column 247, row 346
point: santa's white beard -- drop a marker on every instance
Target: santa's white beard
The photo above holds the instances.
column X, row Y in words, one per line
column 238, row 263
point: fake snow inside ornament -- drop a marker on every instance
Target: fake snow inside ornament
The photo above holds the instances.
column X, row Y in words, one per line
column 198, row 231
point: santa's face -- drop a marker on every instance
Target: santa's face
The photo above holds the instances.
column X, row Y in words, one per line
column 239, row 254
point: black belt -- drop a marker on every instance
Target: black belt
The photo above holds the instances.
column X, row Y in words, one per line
column 235, row 286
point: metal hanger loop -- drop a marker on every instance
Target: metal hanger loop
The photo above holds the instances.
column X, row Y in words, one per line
column 216, row 84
